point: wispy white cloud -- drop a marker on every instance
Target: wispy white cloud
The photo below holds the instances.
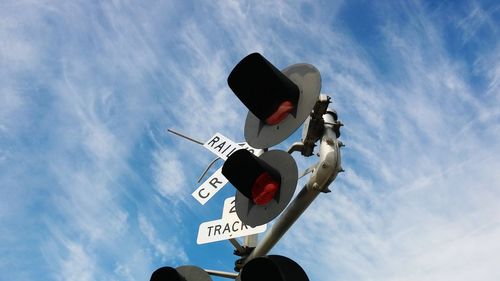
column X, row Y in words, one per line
column 89, row 85
column 169, row 175
column 12, row 105
column 168, row 250
column 78, row 265
column 476, row 19
column 88, row 107
column 421, row 187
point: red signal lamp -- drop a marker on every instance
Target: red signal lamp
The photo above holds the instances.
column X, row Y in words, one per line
column 264, row 189
column 285, row 108
column 279, row 101
column 264, row 89
column 254, row 178
column 265, row 184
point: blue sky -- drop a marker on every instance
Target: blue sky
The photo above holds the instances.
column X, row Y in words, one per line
column 94, row 188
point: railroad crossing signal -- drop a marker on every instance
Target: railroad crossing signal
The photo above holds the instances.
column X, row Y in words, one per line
column 181, row 273
column 222, row 147
column 278, row 101
column 265, row 184
column 272, row 267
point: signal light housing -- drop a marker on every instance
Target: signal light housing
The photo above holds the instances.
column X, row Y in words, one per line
column 272, row 267
column 278, row 101
column 181, row 273
column 265, row 184
column 262, row 88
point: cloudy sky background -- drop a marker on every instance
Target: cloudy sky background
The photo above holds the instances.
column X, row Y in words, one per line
column 92, row 187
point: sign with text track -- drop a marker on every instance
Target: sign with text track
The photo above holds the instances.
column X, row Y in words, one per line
column 228, row 227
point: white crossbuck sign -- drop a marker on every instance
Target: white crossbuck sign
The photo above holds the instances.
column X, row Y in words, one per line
column 228, row 227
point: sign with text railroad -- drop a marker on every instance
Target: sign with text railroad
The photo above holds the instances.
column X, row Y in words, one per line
column 226, row 228
column 223, row 147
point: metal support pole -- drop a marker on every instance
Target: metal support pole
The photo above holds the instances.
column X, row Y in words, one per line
column 250, row 240
column 184, row 136
column 237, row 245
column 323, row 174
column 285, row 221
column 229, row 275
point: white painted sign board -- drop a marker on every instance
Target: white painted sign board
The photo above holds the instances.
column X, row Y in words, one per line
column 228, row 227
column 229, row 209
column 210, row 187
column 223, row 147
column 218, row 230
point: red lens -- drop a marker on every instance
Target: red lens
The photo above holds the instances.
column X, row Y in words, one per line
column 280, row 114
column 264, row 188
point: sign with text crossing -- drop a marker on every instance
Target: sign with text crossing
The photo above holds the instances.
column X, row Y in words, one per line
column 223, row 147
column 226, row 228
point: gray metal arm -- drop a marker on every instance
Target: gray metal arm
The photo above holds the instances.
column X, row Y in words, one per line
column 324, row 173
